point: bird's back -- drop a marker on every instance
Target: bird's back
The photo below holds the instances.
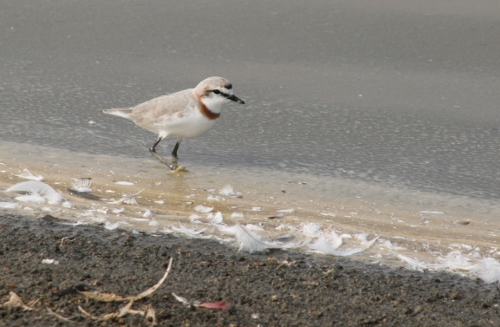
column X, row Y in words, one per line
column 160, row 110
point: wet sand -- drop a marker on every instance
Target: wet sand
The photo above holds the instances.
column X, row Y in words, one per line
column 408, row 220
column 273, row 289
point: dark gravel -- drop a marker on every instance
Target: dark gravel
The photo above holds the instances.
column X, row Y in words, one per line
column 259, row 288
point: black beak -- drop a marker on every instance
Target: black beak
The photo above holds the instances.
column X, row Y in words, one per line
column 235, row 99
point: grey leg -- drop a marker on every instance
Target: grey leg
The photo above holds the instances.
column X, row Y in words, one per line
column 152, row 150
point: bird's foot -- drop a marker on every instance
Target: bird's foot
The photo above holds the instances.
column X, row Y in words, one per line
column 179, row 169
column 170, row 164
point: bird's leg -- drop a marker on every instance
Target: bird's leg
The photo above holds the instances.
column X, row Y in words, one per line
column 174, row 152
column 152, row 150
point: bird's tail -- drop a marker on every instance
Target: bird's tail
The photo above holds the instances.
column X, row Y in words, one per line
column 122, row 112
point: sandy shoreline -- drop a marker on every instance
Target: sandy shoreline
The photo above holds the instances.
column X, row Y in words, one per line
column 419, row 225
column 273, row 289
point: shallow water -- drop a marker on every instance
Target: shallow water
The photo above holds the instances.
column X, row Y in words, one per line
column 382, row 111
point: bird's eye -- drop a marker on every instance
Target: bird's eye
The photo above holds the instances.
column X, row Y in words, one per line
column 216, row 91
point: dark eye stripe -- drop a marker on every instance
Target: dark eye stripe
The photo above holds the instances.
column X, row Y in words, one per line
column 219, row 92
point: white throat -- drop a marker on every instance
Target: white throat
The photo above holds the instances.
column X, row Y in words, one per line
column 214, row 104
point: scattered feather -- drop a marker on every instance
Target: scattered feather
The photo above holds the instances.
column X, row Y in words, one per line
column 117, row 211
column 216, row 219
column 323, row 246
column 181, row 299
column 126, row 199
column 330, row 214
column 103, row 210
column 254, row 227
column 124, row 183
column 237, row 215
column 67, row 205
column 488, row 269
column 454, row 260
column 256, row 209
column 311, row 229
column 284, row 226
column 111, row 226
column 147, row 214
column 28, row 175
column 50, row 261
column 332, row 238
column 414, row 263
column 139, row 219
column 248, row 240
column 431, row 212
column 82, row 185
column 214, row 198
column 229, row 191
column 388, row 244
column 131, row 201
column 364, row 240
column 33, row 197
column 194, row 217
column 286, row 211
column 99, row 220
column 159, row 202
column 154, row 222
column 38, row 190
column 190, row 232
column 167, row 230
column 9, row 205
column 201, row 208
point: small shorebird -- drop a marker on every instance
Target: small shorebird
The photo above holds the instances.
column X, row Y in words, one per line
column 184, row 114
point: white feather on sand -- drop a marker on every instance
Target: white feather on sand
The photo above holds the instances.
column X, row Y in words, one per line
column 227, row 190
column 237, row 215
column 82, row 185
column 194, row 218
column 67, row 205
column 286, row 210
column 322, row 245
column 311, row 229
column 201, row 208
column 36, row 191
column 248, row 240
column 124, row 183
column 111, row 226
column 190, row 232
column 216, row 219
column 34, row 197
column 26, row 174
column 9, row 205
column 487, row 268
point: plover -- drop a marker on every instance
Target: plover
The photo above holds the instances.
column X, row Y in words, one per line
column 184, row 114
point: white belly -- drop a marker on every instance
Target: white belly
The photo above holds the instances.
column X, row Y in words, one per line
column 185, row 127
